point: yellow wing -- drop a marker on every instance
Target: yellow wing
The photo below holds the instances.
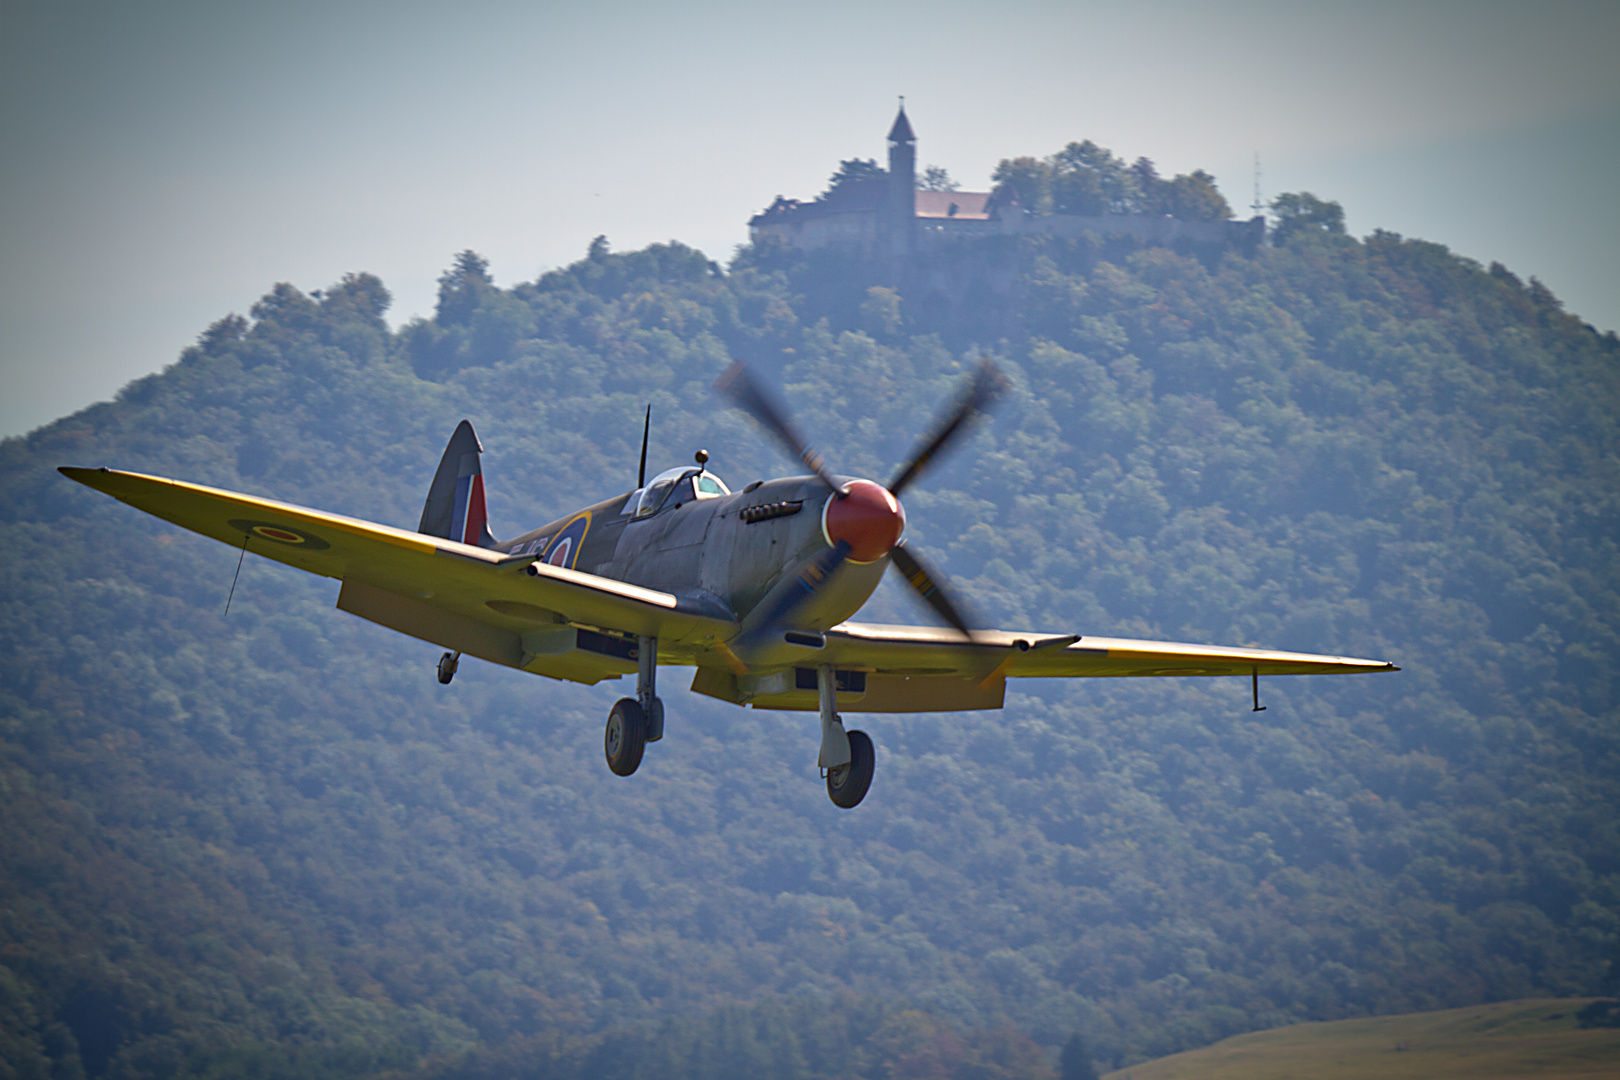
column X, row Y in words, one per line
column 932, row 669
column 509, row 610
column 567, row 624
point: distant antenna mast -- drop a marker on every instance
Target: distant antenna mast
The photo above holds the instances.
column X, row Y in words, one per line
column 1258, row 207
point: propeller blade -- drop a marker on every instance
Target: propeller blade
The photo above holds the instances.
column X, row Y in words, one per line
column 987, row 382
column 806, row 585
column 738, row 385
column 927, row 583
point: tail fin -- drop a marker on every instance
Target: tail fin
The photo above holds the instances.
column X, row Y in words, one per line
column 455, row 504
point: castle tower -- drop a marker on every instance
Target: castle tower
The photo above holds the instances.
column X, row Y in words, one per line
column 901, row 209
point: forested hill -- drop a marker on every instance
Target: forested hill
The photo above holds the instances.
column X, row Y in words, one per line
column 269, row 843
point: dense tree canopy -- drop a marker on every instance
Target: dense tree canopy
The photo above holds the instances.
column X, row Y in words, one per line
column 1300, row 211
column 271, row 843
column 850, row 175
column 1087, row 179
column 936, row 178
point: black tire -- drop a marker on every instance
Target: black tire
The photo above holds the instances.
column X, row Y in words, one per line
column 447, row 668
column 625, row 739
column 847, row 784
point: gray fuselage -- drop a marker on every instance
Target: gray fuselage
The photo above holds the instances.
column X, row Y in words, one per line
column 729, row 552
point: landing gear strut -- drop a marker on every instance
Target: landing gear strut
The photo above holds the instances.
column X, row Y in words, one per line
column 847, row 757
column 635, row 722
column 447, row 667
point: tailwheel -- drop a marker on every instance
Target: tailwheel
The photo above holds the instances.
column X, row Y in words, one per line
column 447, row 667
column 847, row 784
column 626, row 736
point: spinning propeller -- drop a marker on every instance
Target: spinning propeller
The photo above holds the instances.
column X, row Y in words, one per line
column 864, row 520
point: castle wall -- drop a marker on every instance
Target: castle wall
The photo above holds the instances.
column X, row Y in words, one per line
column 1159, row 231
column 856, row 229
column 864, row 230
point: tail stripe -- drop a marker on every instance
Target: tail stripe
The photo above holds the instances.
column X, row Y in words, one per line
column 474, row 513
column 458, row 513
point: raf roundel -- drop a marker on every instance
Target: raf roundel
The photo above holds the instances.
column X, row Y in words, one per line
column 279, row 534
column 564, row 550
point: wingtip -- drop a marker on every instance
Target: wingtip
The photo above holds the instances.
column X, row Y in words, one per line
column 96, row 478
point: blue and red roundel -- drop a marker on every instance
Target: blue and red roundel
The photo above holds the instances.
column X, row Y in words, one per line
column 564, row 547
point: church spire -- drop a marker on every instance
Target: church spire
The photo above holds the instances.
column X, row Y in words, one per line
column 899, row 220
column 901, row 131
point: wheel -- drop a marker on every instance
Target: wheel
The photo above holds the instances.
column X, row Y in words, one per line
column 447, row 667
column 847, row 784
column 626, row 737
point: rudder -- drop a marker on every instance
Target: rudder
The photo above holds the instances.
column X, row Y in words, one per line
column 455, row 508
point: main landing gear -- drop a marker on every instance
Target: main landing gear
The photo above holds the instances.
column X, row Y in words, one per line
column 635, row 722
column 448, row 663
column 847, row 757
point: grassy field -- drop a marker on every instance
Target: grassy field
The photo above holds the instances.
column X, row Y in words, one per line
column 1509, row 1039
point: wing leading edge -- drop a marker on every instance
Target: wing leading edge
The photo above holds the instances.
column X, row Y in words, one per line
column 509, row 610
column 1025, row 655
column 932, row 669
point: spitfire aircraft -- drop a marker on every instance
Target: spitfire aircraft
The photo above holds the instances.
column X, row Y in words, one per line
column 751, row 588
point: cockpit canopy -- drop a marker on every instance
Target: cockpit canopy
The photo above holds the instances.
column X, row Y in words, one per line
column 682, row 484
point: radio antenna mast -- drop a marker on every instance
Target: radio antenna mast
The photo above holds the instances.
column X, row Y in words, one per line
column 1258, row 207
column 646, row 429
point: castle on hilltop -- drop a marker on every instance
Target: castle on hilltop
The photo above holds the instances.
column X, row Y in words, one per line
column 885, row 217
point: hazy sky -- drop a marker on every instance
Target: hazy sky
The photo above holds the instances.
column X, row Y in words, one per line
column 167, row 162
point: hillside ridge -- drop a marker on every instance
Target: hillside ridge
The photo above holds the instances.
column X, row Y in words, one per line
column 270, row 840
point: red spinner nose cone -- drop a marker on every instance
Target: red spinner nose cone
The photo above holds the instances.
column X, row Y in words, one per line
column 867, row 518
